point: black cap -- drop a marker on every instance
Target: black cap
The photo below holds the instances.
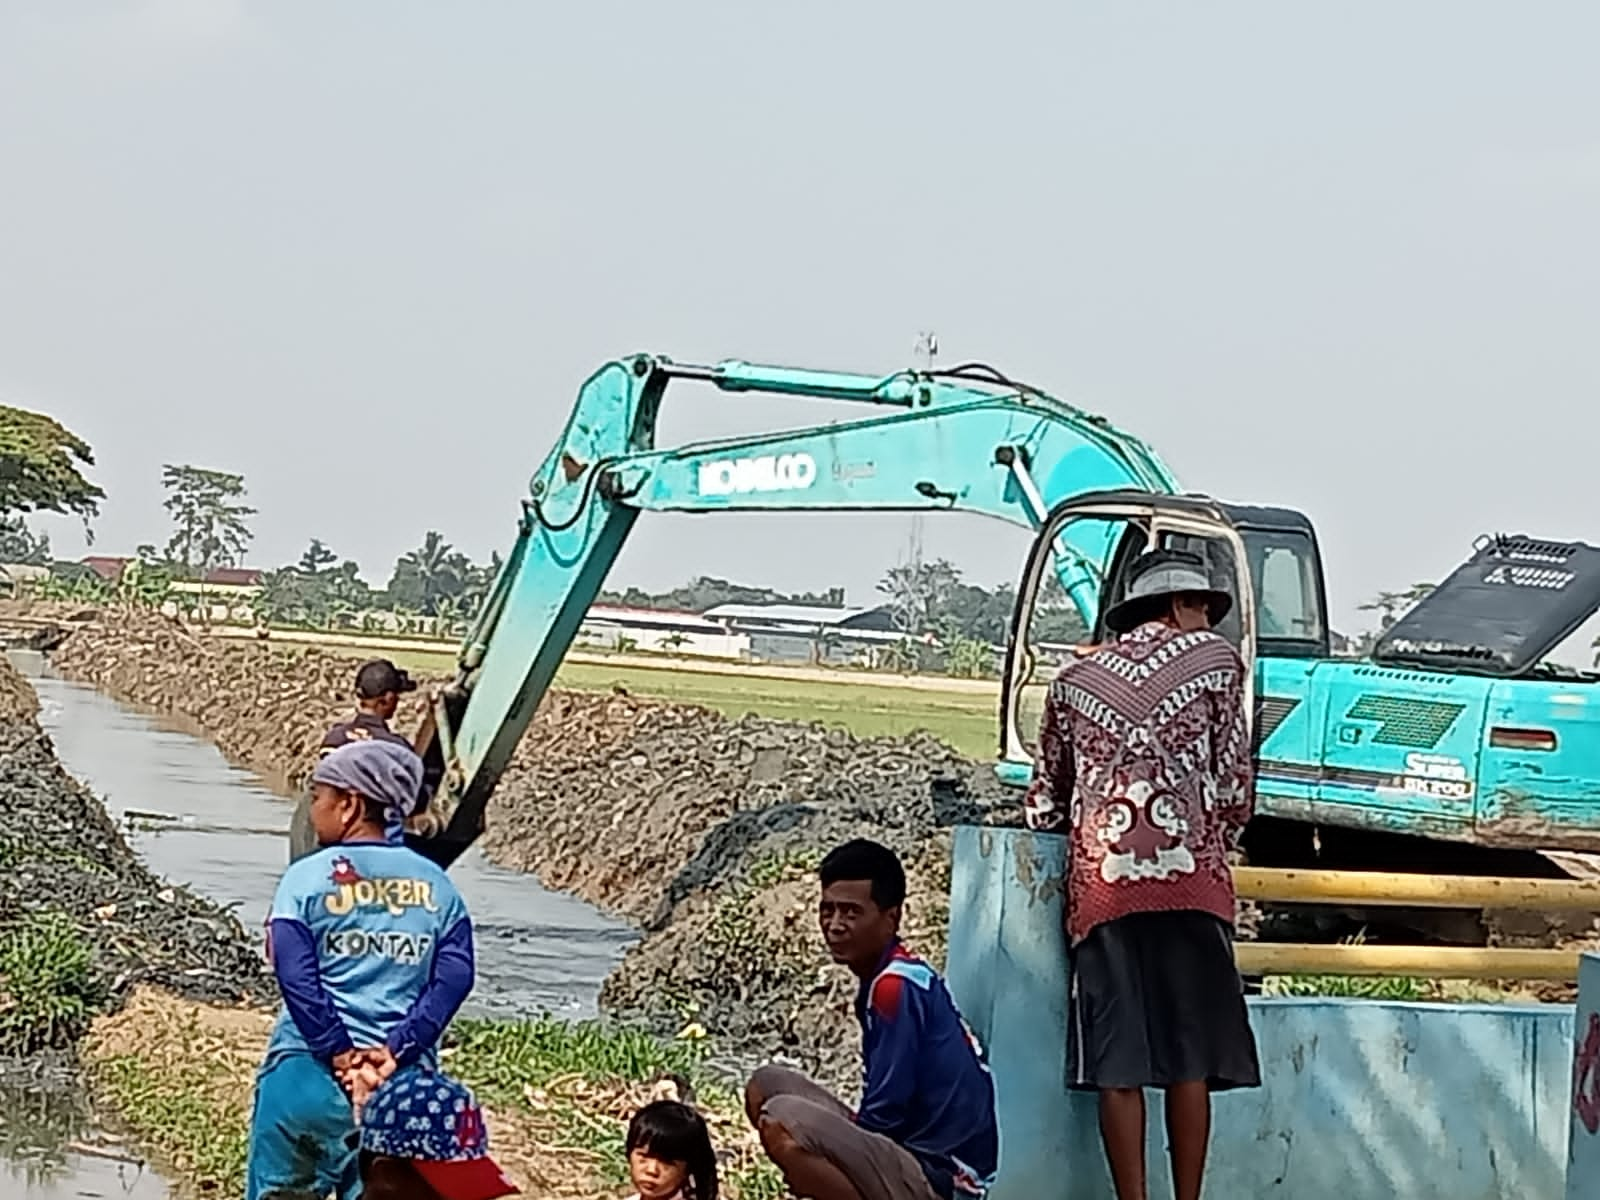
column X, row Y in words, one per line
column 380, row 677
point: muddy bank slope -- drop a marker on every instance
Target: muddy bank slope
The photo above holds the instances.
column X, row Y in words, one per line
column 700, row 828
column 82, row 920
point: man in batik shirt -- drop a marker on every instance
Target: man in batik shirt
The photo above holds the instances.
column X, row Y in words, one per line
column 1144, row 762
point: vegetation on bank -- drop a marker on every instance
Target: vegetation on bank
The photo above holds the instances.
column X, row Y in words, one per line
column 965, row 721
column 179, row 1076
column 48, row 992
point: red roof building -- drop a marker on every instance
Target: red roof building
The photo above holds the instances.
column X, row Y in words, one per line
column 107, row 566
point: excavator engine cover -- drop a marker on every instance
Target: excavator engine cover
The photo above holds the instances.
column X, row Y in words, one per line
column 1516, row 599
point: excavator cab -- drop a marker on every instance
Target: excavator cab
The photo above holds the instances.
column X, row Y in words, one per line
column 1266, row 558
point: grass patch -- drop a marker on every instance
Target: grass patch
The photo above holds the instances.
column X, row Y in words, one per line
column 569, row 1074
column 175, row 1117
column 180, row 1077
column 584, row 1079
column 47, row 988
column 502, row 1057
column 1354, row 987
column 964, row 720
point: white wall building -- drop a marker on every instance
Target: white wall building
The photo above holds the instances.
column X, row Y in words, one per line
column 657, row 631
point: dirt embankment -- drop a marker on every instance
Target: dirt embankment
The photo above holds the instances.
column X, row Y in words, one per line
column 81, row 919
column 702, row 829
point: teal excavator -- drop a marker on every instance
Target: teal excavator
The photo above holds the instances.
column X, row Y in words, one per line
column 1453, row 747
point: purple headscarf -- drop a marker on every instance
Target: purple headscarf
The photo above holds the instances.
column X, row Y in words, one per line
column 385, row 772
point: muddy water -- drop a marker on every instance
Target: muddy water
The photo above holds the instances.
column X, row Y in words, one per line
column 199, row 821
column 49, row 1149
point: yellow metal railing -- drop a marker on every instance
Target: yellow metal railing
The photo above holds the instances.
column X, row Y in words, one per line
column 1376, row 888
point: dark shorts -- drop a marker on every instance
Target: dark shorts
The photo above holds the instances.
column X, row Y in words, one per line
column 820, row 1123
column 1156, row 1000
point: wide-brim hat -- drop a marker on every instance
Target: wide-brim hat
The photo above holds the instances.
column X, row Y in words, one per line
column 1154, row 586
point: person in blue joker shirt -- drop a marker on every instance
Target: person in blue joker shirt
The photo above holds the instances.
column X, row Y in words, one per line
column 372, row 949
column 925, row 1128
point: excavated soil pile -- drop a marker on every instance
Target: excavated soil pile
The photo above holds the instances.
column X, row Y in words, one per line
column 701, row 828
column 266, row 707
column 68, row 878
column 706, row 831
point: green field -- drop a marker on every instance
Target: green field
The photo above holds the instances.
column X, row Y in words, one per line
column 964, row 720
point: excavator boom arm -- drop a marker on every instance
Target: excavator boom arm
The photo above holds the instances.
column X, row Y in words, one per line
column 966, row 439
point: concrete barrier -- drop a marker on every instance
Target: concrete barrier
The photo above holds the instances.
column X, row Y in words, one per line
column 1360, row 1099
column 1583, row 1153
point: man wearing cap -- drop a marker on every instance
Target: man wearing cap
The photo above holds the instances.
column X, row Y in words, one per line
column 379, row 686
column 1144, row 763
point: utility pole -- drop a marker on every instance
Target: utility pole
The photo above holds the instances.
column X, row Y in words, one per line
column 913, row 604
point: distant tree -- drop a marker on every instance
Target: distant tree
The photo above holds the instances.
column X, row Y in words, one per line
column 346, row 590
column 979, row 613
column 143, row 584
column 19, row 544
column 316, row 558
column 427, row 575
column 920, row 592
column 479, row 581
column 1391, row 606
column 904, row 656
column 210, row 521
column 315, row 593
column 39, row 467
column 707, row 592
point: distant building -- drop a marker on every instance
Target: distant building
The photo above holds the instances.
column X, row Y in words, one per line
column 108, row 567
column 15, row 577
column 657, row 630
column 809, row 633
column 241, row 577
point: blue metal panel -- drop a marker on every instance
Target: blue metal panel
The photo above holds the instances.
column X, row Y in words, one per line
column 1401, row 749
column 1360, row 1100
column 1290, row 714
column 1005, row 968
column 1583, row 1162
column 1543, row 797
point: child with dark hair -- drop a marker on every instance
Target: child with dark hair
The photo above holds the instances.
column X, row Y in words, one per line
column 925, row 1128
column 670, row 1156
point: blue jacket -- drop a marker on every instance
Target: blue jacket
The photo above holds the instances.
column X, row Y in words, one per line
column 927, row 1086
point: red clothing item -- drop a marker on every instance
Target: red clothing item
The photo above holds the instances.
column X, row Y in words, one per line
column 1144, row 761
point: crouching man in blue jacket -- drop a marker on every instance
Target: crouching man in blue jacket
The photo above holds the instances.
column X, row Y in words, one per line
column 926, row 1126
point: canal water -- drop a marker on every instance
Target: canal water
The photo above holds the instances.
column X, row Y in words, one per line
column 199, row 821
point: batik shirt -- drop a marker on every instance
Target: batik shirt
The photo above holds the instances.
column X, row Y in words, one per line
column 1144, row 761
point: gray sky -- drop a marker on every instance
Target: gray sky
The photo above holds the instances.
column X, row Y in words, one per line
column 1339, row 257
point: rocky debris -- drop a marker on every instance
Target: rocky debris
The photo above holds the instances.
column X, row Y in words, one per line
column 703, row 829
column 67, row 876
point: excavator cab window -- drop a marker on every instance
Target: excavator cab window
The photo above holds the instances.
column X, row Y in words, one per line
column 1105, row 534
column 1072, row 579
